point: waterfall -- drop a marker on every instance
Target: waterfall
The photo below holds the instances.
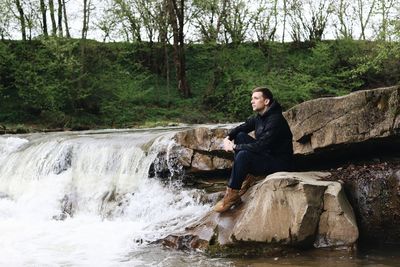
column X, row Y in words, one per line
column 85, row 199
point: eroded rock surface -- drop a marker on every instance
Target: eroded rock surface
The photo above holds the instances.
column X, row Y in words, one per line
column 194, row 150
column 374, row 192
column 283, row 210
column 353, row 118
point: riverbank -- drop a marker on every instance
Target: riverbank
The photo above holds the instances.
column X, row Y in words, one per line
column 74, row 84
column 7, row 128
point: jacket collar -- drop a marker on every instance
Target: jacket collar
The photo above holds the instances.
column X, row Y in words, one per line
column 273, row 108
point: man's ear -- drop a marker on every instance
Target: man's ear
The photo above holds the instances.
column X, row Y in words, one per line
column 267, row 101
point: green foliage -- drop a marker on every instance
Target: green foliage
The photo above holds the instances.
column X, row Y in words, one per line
column 6, row 79
column 85, row 84
column 295, row 74
column 380, row 66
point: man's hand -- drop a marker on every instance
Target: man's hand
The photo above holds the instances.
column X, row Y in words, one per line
column 228, row 144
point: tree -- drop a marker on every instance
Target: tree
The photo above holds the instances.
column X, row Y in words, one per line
column 309, row 18
column 87, row 8
column 129, row 17
column 384, row 9
column 177, row 18
column 319, row 18
column 60, row 17
column 264, row 21
column 285, row 13
column 364, row 11
column 344, row 12
column 43, row 10
column 208, row 18
column 67, row 34
column 162, row 22
column 295, row 14
column 53, row 18
column 149, row 10
column 32, row 17
column 6, row 17
column 107, row 22
column 21, row 18
column 236, row 22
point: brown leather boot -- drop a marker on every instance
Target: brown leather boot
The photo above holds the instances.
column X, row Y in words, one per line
column 248, row 182
column 231, row 198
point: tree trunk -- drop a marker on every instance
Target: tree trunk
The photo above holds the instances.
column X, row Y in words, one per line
column 221, row 17
column 284, row 19
column 44, row 18
column 364, row 23
column 177, row 23
column 271, row 36
column 163, row 38
column 342, row 15
column 60, row 15
column 67, row 34
column 53, row 18
column 85, row 19
column 88, row 9
column 385, row 8
column 21, row 19
column 182, row 56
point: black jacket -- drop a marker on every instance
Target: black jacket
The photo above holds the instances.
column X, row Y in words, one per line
column 272, row 132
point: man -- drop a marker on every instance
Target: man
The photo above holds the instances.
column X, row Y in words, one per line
column 269, row 152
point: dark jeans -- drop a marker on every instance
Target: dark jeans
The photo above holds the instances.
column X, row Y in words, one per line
column 247, row 162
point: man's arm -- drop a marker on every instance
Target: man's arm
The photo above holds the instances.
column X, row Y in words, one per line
column 247, row 126
column 269, row 135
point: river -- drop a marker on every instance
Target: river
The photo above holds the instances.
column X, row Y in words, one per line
column 86, row 199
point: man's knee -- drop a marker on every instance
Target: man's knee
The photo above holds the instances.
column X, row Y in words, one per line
column 243, row 156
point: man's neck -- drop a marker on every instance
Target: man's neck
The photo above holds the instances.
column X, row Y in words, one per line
column 262, row 112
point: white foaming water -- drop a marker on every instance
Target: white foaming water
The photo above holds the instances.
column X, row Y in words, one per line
column 98, row 183
column 10, row 144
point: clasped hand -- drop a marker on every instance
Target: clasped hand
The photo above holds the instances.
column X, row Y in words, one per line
column 228, row 144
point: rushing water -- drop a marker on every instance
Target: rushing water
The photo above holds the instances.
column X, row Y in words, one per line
column 85, row 199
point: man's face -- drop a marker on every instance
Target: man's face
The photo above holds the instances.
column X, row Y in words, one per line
column 258, row 102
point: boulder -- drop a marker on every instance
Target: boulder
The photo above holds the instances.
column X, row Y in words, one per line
column 283, row 210
column 202, row 138
column 193, row 151
column 337, row 224
column 357, row 117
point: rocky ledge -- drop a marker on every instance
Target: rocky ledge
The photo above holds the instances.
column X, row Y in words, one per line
column 285, row 210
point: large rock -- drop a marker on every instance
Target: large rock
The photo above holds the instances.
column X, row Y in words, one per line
column 283, row 210
column 202, row 138
column 195, row 150
column 354, row 118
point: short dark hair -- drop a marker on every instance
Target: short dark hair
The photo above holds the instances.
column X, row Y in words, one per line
column 265, row 91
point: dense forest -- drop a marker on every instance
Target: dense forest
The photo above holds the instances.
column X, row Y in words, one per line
column 166, row 61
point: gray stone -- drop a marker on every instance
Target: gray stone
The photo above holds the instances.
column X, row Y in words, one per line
column 284, row 209
column 353, row 118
